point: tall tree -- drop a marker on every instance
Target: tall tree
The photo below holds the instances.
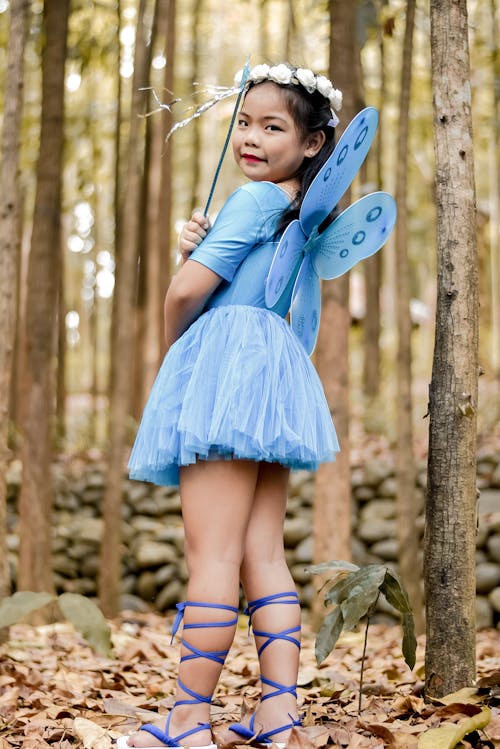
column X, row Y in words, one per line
column 451, row 494
column 37, row 411
column 122, row 337
column 406, row 469
column 495, row 194
column 9, row 245
column 332, row 508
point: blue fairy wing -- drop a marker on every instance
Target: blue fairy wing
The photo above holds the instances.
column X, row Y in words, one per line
column 285, row 263
column 305, row 310
column 338, row 172
column 357, row 233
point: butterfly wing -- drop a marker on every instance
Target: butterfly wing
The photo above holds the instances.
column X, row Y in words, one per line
column 285, row 263
column 338, row 172
column 305, row 310
column 356, row 234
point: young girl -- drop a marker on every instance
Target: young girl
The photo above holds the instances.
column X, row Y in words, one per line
column 236, row 405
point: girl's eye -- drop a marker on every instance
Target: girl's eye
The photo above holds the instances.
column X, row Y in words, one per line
column 274, row 127
column 242, row 123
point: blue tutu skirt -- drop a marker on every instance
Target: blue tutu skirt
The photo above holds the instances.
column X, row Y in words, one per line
column 236, row 384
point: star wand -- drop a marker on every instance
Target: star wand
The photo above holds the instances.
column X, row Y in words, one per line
column 245, row 74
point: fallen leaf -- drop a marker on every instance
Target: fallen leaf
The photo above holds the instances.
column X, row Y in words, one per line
column 448, row 736
column 92, row 735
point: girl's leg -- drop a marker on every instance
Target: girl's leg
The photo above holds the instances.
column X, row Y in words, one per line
column 217, row 498
column 265, row 573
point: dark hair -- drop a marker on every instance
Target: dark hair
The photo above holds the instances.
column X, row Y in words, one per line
column 311, row 113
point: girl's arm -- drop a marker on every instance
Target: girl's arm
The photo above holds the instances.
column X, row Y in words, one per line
column 192, row 233
column 186, row 297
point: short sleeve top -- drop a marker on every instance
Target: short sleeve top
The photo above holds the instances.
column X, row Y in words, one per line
column 241, row 244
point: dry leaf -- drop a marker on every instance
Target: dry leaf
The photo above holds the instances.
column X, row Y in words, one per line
column 92, row 735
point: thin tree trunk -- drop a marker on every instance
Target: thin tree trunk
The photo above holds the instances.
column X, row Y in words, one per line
column 332, row 499
column 495, row 196
column 35, row 501
column 163, row 279
column 451, row 496
column 196, row 125
column 122, row 341
column 406, row 469
column 10, row 209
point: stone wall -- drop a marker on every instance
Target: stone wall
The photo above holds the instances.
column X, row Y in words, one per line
column 154, row 572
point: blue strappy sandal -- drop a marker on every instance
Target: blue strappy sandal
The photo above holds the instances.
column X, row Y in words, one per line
column 215, row 655
column 250, row 732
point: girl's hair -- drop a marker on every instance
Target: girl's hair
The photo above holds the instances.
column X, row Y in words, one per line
column 311, row 113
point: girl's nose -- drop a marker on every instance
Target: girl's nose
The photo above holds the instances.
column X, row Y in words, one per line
column 251, row 136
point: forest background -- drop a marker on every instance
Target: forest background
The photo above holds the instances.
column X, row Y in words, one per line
column 99, row 195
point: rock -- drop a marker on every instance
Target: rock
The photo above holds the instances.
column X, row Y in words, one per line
column 83, row 585
column 90, row 565
column 489, row 501
column 296, row 529
column 484, row 613
column 495, row 478
column 165, row 574
column 64, row 565
column 493, row 546
column 360, row 554
column 129, row 602
column 173, row 534
column 146, row 585
column 494, row 599
column 128, row 584
column 376, row 529
column 304, row 551
column 387, row 549
column 81, row 550
column 375, row 471
column 487, row 577
column 364, row 493
column 480, row 556
column 378, row 509
column 153, row 554
column 306, row 595
column 300, row 575
column 388, row 487
column 87, row 529
column 297, row 479
column 12, row 542
column 142, row 524
column 482, row 532
column 171, row 594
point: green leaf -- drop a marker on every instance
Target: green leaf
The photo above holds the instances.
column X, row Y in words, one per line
column 16, row 607
column 335, row 564
column 364, row 577
column 87, row 618
column 450, row 735
column 396, row 595
column 329, row 634
column 363, row 595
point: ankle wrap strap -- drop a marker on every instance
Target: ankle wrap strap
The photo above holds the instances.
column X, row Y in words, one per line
column 200, row 625
column 291, row 598
column 277, row 598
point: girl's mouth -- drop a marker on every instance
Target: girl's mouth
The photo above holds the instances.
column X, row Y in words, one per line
column 251, row 157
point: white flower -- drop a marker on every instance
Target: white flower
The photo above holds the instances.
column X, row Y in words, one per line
column 280, row 74
column 324, row 86
column 335, row 99
column 306, row 78
column 259, row 73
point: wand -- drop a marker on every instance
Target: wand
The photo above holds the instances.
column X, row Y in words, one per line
column 245, row 74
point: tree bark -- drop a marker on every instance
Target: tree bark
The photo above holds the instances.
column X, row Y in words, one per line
column 10, row 209
column 122, row 341
column 406, row 470
column 35, row 501
column 451, row 497
column 332, row 498
column 495, row 196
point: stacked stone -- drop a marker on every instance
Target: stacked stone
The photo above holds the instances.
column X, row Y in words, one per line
column 154, row 571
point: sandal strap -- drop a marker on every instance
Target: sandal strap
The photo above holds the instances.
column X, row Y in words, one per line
column 280, row 689
column 201, row 625
column 165, row 737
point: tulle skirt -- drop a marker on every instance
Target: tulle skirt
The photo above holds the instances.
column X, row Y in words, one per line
column 236, row 384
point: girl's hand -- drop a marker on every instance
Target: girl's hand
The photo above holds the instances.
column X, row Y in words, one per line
column 192, row 233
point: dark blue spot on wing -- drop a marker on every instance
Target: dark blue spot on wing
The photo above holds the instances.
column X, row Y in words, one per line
column 359, row 237
column 327, row 174
column 360, row 138
column 279, row 285
column 344, row 253
column 374, row 213
column 342, row 155
column 314, row 321
column 284, row 248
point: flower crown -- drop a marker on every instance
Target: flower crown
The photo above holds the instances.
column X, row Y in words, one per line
column 283, row 75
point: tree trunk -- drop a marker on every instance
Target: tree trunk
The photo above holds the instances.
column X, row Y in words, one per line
column 495, row 197
column 406, row 471
column 122, row 341
column 35, row 501
column 10, row 209
column 332, row 499
column 451, row 496
column 196, row 125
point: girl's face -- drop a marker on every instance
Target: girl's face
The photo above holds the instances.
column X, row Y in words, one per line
column 266, row 143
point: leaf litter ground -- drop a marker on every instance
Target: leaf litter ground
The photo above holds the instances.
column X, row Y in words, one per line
column 56, row 692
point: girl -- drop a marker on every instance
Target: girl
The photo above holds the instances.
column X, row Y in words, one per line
column 236, row 404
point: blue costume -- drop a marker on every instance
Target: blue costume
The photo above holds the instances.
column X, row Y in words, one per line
column 237, row 383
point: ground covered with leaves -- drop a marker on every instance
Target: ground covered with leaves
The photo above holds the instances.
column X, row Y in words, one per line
column 56, row 692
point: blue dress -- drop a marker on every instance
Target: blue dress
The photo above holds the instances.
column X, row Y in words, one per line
column 237, row 383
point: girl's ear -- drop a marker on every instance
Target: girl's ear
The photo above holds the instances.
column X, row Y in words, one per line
column 314, row 143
